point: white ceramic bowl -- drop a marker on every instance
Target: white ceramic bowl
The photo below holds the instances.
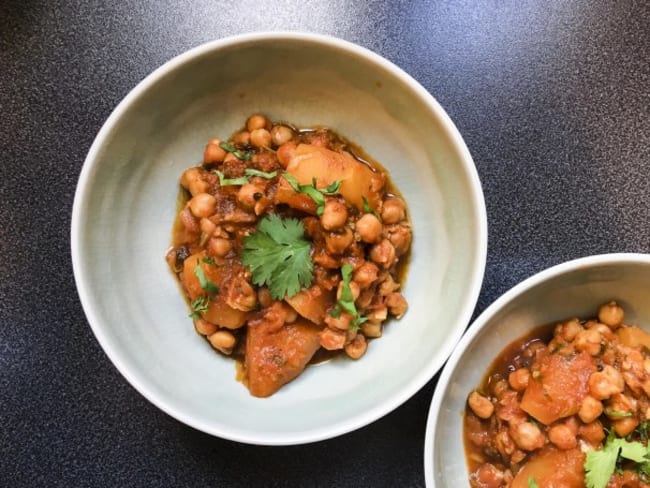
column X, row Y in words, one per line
column 573, row 289
column 126, row 199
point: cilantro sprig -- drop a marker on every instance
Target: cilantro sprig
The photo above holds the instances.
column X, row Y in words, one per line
column 316, row 194
column 244, row 156
column 532, row 483
column 242, row 180
column 346, row 302
column 278, row 256
column 208, row 286
column 199, row 306
column 600, row 465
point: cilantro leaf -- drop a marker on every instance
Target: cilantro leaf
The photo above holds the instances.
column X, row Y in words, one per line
column 312, row 192
column 199, row 306
column 368, row 209
column 278, row 256
column 600, row 465
column 532, row 483
column 618, row 414
column 346, row 302
column 238, row 154
column 205, row 283
column 223, row 181
column 261, row 174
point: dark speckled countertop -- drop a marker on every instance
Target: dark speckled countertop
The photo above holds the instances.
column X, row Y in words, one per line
column 552, row 98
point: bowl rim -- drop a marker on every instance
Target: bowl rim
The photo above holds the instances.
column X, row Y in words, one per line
column 486, row 316
column 83, row 283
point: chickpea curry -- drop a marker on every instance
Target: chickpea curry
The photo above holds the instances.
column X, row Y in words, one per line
column 288, row 242
column 564, row 407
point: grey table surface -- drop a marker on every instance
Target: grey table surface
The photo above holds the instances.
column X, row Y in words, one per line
column 552, row 98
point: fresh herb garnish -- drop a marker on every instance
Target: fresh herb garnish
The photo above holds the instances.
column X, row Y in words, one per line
column 316, row 194
column 205, row 283
column 208, row 260
column 617, row 414
column 346, row 302
column 278, row 256
column 238, row 154
column 600, row 465
column 223, row 181
column 242, row 180
column 199, row 306
column 532, row 483
column 368, row 209
column 261, row 174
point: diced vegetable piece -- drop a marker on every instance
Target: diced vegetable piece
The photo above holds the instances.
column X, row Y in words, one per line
column 557, row 389
column 218, row 311
column 275, row 356
column 312, row 303
column 357, row 179
column 544, row 470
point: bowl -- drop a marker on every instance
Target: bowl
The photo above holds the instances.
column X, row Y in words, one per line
column 572, row 289
column 125, row 205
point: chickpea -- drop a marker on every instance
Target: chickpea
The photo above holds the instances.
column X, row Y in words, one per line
column 189, row 221
column 281, row 134
column 249, row 194
column 611, row 314
column 218, row 246
column 593, row 432
column 199, row 186
column 383, row 254
column 480, row 405
column 371, row 329
column 603, row 384
column 207, row 226
column 527, row 436
column 204, row 327
column 625, row 426
column 203, row 205
column 285, row 152
column 264, row 297
column 190, row 175
column 260, row 138
column 590, row 409
column 369, row 228
column 357, row 347
column 213, row 153
column 335, row 214
column 396, row 304
column 489, row 476
column 568, row 330
column 366, row 297
column 400, row 237
column 257, row 121
column 388, row 285
column 241, row 295
column 341, row 322
column 518, row 379
column 393, row 210
column 242, row 138
column 338, row 242
column 366, row 274
column 332, row 339
column 589, row 341
column 223, row 341
column 192, row 180
column 562, row 436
